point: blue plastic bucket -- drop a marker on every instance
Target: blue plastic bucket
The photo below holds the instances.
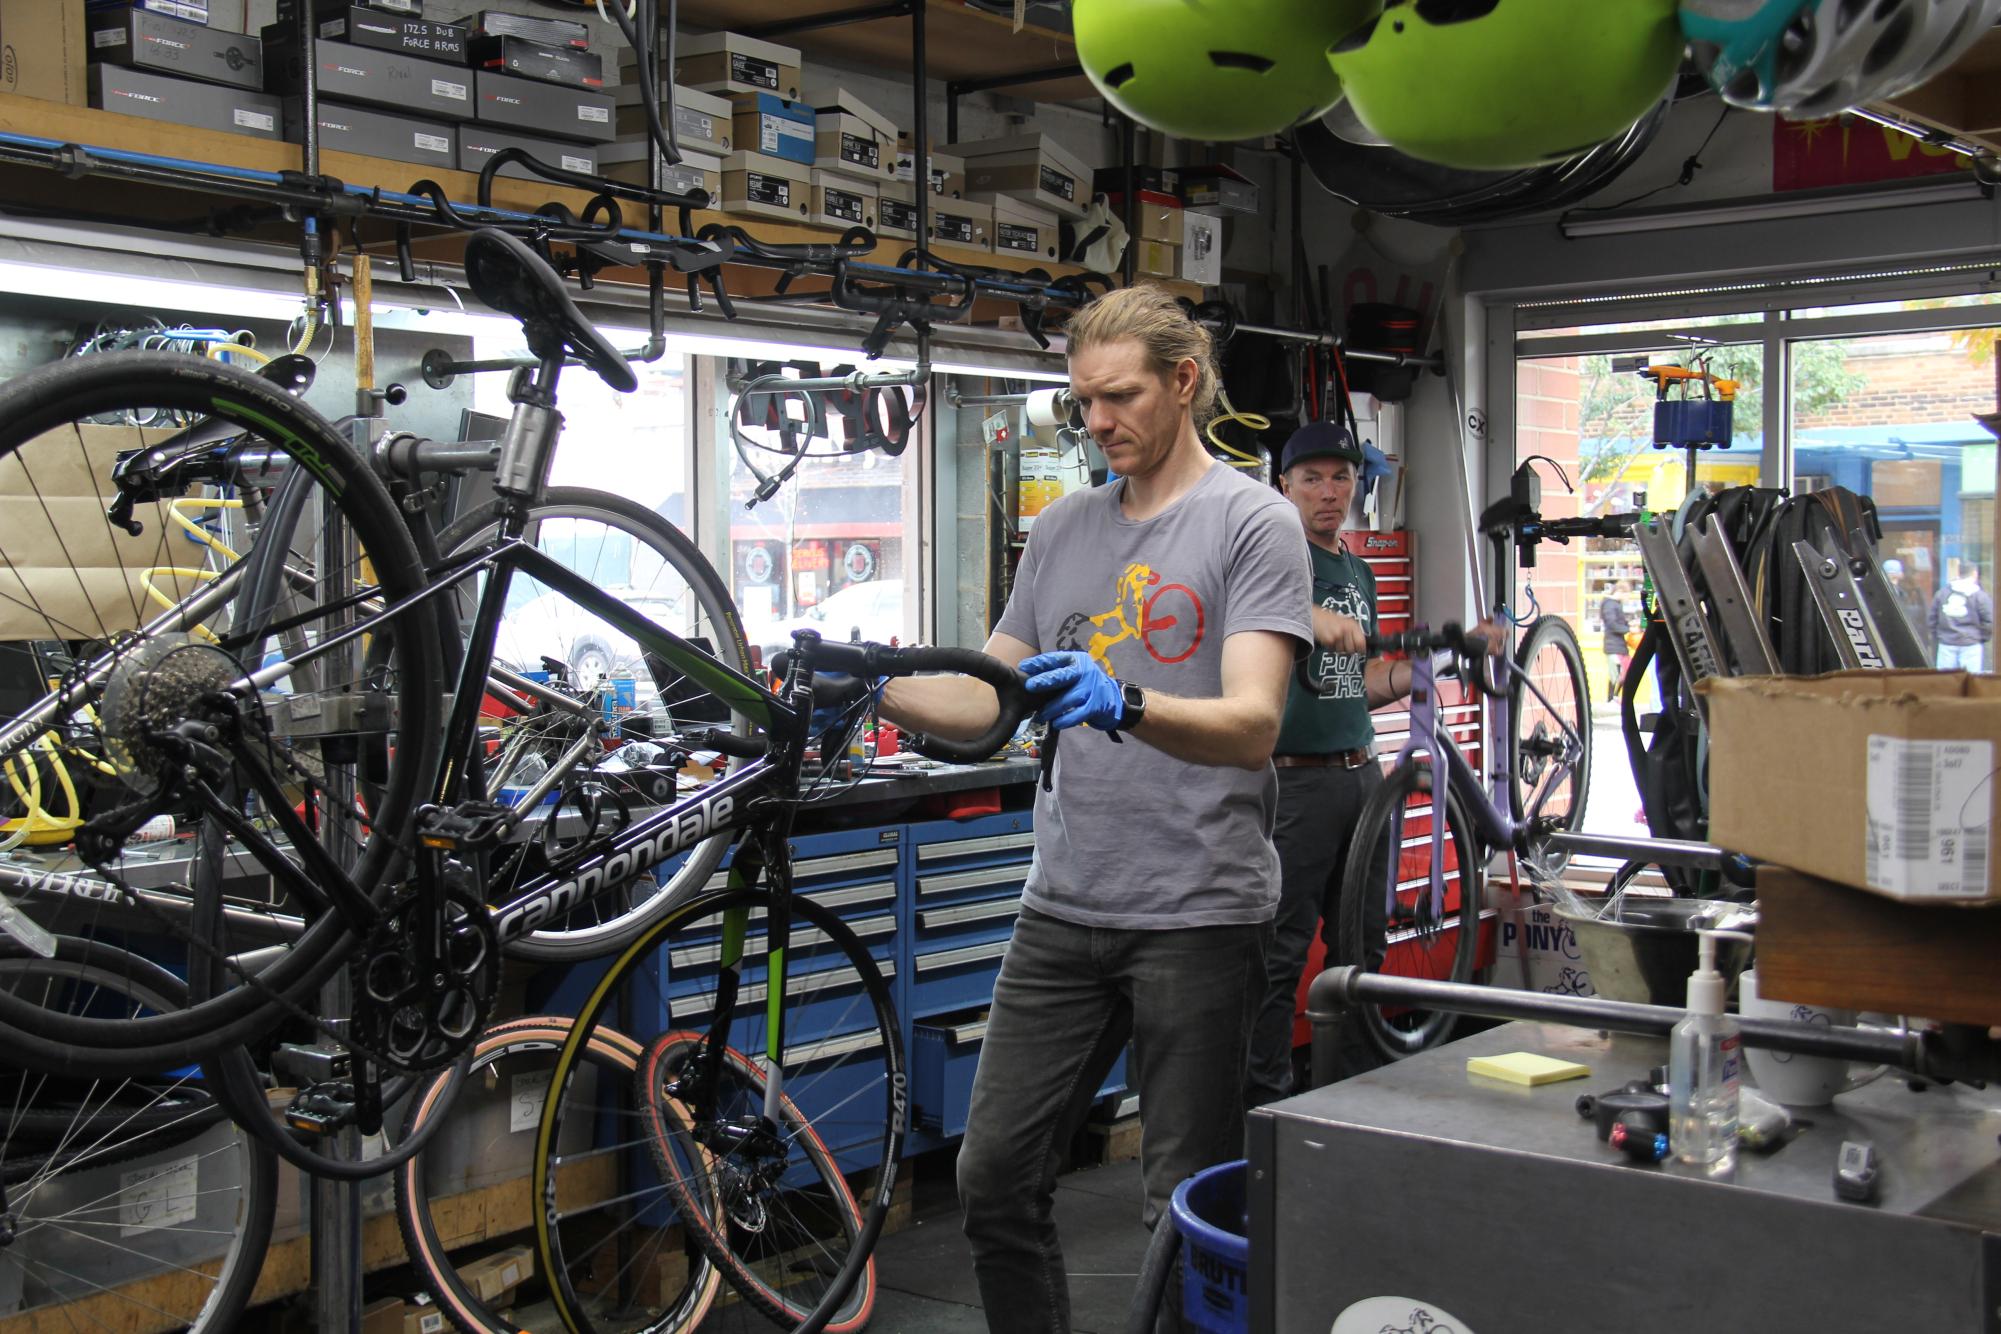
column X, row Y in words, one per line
column 1213, row 1216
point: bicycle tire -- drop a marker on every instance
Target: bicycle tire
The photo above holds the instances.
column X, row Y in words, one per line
column 1412, row 944
column 289, row 436
column 785, row 1190
column 1551, row 658
column 531, row 1036
column 713, row 616
column 95, row 1207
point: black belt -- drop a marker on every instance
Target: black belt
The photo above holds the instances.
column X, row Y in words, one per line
column 1340, row 759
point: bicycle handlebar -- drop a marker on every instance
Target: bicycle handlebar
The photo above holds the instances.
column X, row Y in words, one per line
column 870, row 661
column 1448, row 638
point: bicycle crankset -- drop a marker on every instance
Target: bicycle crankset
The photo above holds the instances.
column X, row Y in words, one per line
column 426, row 980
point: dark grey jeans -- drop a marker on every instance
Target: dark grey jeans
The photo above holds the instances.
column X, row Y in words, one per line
column 1317, row 813
column 1067, row 999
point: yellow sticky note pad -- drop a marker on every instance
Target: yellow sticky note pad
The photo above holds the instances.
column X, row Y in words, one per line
column 1526, row 1068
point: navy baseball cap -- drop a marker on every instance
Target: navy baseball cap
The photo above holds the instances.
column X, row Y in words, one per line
column 1319, row 440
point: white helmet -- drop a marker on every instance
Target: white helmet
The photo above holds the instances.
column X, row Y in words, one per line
column 1811, row 58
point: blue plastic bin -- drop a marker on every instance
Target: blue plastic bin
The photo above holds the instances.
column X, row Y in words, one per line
column 1213, row 1217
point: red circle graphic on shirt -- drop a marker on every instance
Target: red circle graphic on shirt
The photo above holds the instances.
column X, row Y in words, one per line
column 1171, row 627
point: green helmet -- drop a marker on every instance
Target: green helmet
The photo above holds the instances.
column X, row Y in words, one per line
column 1215, row 69
column 1501, row 85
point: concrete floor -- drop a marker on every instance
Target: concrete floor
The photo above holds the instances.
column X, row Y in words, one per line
column 924, row 1273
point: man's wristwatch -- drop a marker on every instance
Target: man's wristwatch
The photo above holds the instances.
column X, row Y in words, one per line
column 1132, row 710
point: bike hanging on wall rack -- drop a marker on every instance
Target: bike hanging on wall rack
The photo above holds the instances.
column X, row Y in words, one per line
column 233, row 625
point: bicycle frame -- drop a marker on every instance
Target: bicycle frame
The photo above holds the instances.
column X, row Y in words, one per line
column 1494, row 824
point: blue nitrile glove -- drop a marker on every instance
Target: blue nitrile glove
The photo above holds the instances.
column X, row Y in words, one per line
column 834, row 695
column 1081, row 691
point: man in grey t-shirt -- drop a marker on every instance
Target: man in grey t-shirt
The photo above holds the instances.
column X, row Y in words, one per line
column 1160, row 616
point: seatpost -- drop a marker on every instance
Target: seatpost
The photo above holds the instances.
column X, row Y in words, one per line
column 529, row 444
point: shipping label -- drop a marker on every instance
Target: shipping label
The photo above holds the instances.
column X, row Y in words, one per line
column 862, row 152
column 751, row 70
column 1930, row 810
column 842, row 204
column 759, row 188
column 952, row 229
column 1014, row 236
column 1056, row 183
column 898, row 215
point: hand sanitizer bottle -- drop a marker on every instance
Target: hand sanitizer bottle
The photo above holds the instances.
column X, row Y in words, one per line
column 1704, row 1054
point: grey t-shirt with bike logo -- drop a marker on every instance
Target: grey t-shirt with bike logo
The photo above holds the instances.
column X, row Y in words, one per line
column 1132, row 837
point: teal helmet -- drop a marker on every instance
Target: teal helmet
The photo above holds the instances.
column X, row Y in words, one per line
column 1503, row 85
column 1215, row 69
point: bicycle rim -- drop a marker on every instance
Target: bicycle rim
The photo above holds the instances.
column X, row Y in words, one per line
column 1561, row 701
column 135, row 1204
column 138, row 632
column 1422, row 939
column 794, row 1203
column 631, row 552
column 478, row 1174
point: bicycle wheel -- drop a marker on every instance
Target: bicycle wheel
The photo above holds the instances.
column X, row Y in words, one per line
column 132, row 1203
column 1422, row 938
column 801, row 1189
column 123, row 644
column 631, row 552
column 1544, row 719
column 477, row 1173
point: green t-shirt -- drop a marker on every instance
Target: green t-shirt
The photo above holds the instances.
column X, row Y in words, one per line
column 1334, row 717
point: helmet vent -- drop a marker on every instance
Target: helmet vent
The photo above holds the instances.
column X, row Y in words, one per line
column 1442, row 12
column 1240, row 60
column 1119, row 77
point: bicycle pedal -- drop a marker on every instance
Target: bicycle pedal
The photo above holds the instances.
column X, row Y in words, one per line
column 470, row 824
column 323, row 1109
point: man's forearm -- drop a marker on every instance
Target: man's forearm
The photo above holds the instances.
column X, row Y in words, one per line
column 1386, row 682
column 1238, row 732
column 954, row 708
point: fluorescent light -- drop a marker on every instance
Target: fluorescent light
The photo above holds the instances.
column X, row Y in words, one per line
column 163, row 294
column 1799, row 204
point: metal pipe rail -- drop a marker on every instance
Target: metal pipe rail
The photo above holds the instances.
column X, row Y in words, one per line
column 1938, row 1056
column 1656, row 851
column 1334, row 341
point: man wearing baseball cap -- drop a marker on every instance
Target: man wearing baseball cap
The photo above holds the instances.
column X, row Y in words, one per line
column 1326, row 770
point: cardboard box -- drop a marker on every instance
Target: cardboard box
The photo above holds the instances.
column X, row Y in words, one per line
column 518, row 56
column 1218, row 188
column 1201, row 247
column 948, row 173
column 499, row 1274
column 1880, row 779
column 477, row 144
column 966, row 223
column 374, row 77
column 545, row 31
column 365, row 25
column 896, row 212
column 542, row 108
column 1157, row 259
column 372, row 133
column 724, row 62
column 841, row 200
column 1023, row 230
column 702, row 121
column 1030, row 167
column 205, row 106
column 1160, row 180
column 42, row 51
column 420, row 1316
column 383, row 1317
column 1157, row 217
column 194, row 11
column 852, row 137
column 769, row 187
column 768, row 124
column 626, row 161
column 288, row 10
column 141, row 39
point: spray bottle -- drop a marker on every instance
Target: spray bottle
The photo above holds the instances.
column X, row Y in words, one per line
column 1705, row 1053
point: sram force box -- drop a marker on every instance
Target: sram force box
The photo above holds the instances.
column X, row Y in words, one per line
column 142, row 39
column 205, row 106
column 542, row 108
column 478, row 145
column 388, row 79
column 380, row 134
column 364, row 25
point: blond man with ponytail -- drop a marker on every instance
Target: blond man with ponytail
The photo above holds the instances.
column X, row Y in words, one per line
column 1160, row 616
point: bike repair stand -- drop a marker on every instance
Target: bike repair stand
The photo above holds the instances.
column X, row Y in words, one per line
column 1857, row 605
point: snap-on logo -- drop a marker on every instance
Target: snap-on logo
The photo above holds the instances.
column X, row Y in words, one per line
column 1379, row 543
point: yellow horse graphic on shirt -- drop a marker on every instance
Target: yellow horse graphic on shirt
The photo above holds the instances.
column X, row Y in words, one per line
column 1126, row 620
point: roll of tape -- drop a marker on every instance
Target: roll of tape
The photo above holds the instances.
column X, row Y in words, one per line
column 1044, row 409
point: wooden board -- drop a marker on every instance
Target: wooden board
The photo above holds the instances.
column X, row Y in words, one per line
column 1964, row 100
column 1821, row 943
column 960, row 43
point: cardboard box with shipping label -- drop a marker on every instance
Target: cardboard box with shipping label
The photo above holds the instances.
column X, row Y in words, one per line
column 1883, row 780
column 492, row 1278
column 1023, row 230
column 767, row 124
column 626, row 161
column 841, row 200
column 42, row 51
column 770, row 187
column 852, row 137
column 702, row 121
column 726, row 62
column 1030, row 167
column 1156, row 216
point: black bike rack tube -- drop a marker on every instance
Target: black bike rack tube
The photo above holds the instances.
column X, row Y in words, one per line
column 1335, row 992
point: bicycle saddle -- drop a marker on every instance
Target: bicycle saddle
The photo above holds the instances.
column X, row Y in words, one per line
column 514, row 280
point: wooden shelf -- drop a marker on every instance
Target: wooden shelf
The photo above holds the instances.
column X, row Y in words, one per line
column 106, row 129
column 960, row 43
column 1964, row 101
